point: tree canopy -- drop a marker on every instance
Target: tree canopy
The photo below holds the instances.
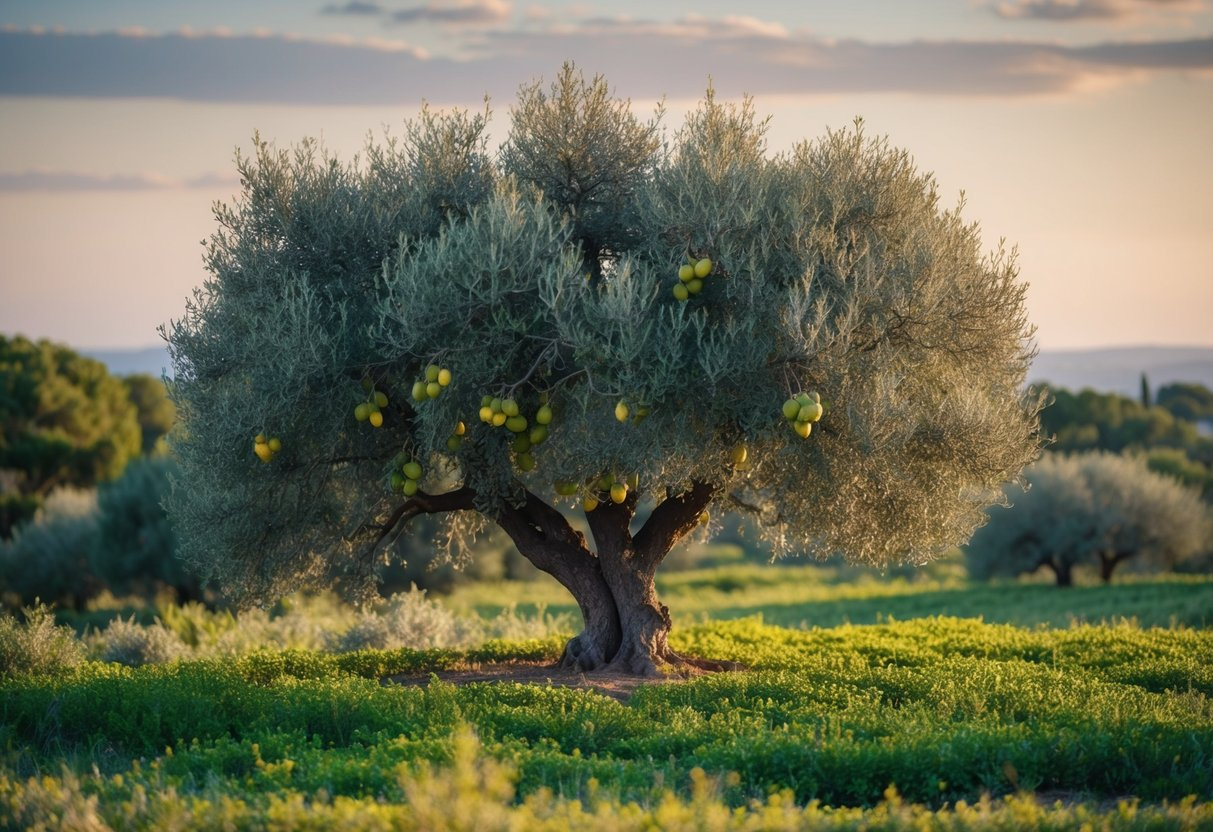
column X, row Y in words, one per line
column 153, row 409
column 1094, row 509
column 655, row 303
column 64, row 421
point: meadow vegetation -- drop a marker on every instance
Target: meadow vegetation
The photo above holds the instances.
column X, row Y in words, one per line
column 936, row 722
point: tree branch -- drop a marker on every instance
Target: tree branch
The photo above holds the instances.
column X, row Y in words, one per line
column 610, row 524
column 422, row 503
column 671, row 521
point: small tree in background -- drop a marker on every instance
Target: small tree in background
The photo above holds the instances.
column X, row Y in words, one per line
column 135, row 548
column 48, row 557
column 64, row 421
column 1193, row 402
column 592, row 321
column 153, row 409
column 1096, row 509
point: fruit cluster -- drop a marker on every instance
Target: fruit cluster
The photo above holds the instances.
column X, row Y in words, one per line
column 264, row 449
column 801, row 411
column 622, row 412
column 436, row 380
column 455, row 441
column 407, row 480
column 500, row 412
column 691, row 276
column 371, row 410
column 607, row 485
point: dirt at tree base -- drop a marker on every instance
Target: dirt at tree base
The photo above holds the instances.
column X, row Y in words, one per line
column 619, row 686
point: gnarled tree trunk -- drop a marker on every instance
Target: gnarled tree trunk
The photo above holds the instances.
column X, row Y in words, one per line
column 1064, row 573
column 626, row 627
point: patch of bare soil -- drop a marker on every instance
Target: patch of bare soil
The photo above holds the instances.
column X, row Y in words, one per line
column 618, row 686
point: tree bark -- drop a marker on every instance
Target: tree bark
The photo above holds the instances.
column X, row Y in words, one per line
column 1064, row 572
column 1108, row 561
column 626, row 627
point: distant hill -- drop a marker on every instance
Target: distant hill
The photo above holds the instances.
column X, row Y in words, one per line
column 1119, row 369
column 1116, row 369
column 152, row 360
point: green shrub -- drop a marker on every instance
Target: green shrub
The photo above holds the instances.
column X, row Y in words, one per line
column 131, row 644
column 48, row 557
column 135, row 548
column 37, row 645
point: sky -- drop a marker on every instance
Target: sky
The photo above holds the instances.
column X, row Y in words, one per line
column 1080, row 131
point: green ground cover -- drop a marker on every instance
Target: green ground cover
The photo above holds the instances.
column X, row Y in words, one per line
column 930, row 723
column 802, row 595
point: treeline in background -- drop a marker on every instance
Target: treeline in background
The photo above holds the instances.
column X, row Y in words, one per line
column 1125, row 485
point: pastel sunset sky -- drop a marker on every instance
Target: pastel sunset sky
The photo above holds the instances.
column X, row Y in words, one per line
column 1080, row 130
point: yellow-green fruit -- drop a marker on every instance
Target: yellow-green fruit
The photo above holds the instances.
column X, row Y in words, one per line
column 410, row 487
column 376, row 419
column 495, row 404
column 680, row 292
column 460, row 428
column 803, row 429
column 263, row 451
column 509, row 407
column 486, row 401
column 633, row 481
column 397, row 481
column 791, row 408
column 521, row 443
column 606, row 481
column 740, row 454
column 419, row 391
column 619, row 492
column 499, row 419
column 704, row 517
column 259, row 439
column 433, row 389
column 368, row 385
column 695, row 286
column 802, row 399
column 381, row 399
column 431, row 372
column 641, row 414
column 515, row 424
column 589, row 503
column 565, row 489
column 275, row 444
column 412, row 469
column 486, row 414
column 361, row 412
column 813, row 411
column 454, row 443
column 621, row 411
column 703, row 268
column 543, row 416
column 686, row 272
column 526, row 462
column 444, row 376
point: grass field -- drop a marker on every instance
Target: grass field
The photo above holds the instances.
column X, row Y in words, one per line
column 813, row 596
column 922, row 723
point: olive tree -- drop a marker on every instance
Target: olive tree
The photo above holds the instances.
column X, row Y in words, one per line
column 1095, row 509
column 600, row 319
